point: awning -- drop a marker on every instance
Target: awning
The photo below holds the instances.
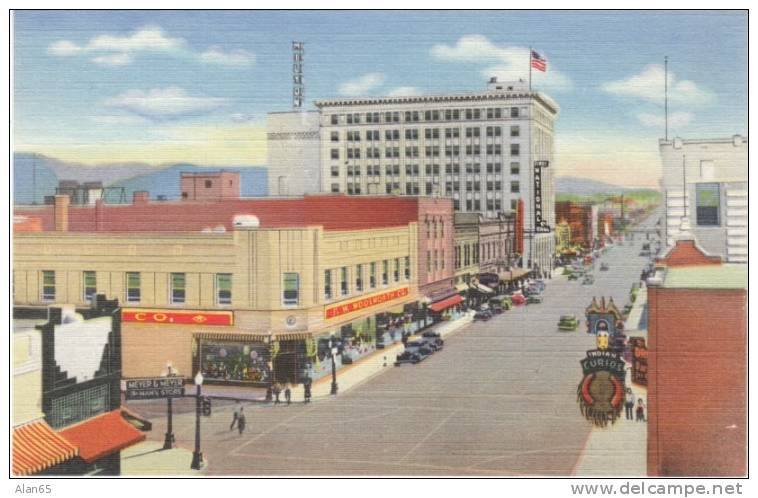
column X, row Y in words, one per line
column 446, row 303
column 292, row 336
column 516, row 273
column 37, row 446
column 482, row 288
column 102, row 435
column 462, row 287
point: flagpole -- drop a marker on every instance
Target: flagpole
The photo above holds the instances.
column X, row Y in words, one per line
column 530, row 69
column 666, row 95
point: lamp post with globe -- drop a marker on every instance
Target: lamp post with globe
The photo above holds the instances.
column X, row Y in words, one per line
column 197, row 457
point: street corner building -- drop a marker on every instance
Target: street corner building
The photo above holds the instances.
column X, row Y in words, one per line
column 697, row 397
column 248, row 291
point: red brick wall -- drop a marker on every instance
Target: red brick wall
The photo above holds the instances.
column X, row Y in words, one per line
column 434, row 208
column 696, row 385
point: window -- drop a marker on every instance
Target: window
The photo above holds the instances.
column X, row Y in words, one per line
column 335, row 187
column 224, row 288
column 335, row 153
column 396, row 273
column 436, row 261
column 335, row 119
column 291, row 289
column 514, row 204
column 335, row 171
column 407, row 267
column 385, row 272
column 89, row 281
column 208, row 184
column 428, row 261
column 514, row 112
column 708, row 201
column 515, row 132
column 515, row 168
column 327, row 284
column 442, row 259
column 515, row 149
column 343, row 281
column 132, row 287
column 335, row 136
column 359, row 278
column 372, row 276
column 178, row 288
column 48, row 285
column 515, row 187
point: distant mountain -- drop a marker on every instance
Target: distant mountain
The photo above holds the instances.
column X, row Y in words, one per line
column 37, row 175
column 165, row 182
column 585, row 186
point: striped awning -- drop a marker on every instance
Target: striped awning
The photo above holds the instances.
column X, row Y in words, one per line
column 231, row 336
column 37, row 446
column 292, row 336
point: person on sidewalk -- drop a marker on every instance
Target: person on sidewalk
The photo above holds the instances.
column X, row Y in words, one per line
column 640, row 410
column 277, row 391
column 629, row 405
column 235, row 417
column 307, row 390
column 241, row 421
column 287, row 394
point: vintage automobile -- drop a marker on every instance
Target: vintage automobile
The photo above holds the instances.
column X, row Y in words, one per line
column 575, row 276
column 503, row 301
column 604, row 267
column 496, row 309
column 407, row 357
column 420, row 347
column 568, row 323
column 483, row 315
column 534, row 299
column 434, row 338
column 518, row 299
column 588, row 280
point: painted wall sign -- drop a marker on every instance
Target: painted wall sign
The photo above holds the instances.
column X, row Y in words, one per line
column 366, row 302
column 177, row 317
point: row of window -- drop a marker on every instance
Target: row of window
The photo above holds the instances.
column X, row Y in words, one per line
column 133, row 287
column 429, row 169
column 429, row 133
column 341, row 276
column 429, row 151
column 429, row 115
column 435, row 260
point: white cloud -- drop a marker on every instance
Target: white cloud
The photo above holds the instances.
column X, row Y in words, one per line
column 361, row 85
column 658, row 121
column 148, row 38
column 240, row 117
column 121, row 59
column 649, row 85
column 164, row 103
column 64, row 48
column 507, row 63
column 216, row 55
column 404, row 91
column 119, row 120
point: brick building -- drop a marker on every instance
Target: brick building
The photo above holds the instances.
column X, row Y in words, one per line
column 212, row 186
column 582, row 220
column 697, row 366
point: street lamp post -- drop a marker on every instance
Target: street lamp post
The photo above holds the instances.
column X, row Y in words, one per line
column 168, row 442
column 332, row 348
column 197, row 457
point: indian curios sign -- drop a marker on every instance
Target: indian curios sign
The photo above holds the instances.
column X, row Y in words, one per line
column 366, row 302
column 155, row 388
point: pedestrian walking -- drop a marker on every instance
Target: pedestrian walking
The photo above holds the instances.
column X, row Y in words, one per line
column 307, row 390
column 277, row 391
column 235, row 417
column 287, row 394
column 640, row 410
column 241, row 421
column 629, row 405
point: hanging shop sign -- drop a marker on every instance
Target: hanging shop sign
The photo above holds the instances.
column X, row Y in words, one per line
column 155, row 388
column 639, row 360
column 177, row 317
column 366, row 302
column 601, row 392
column 540, row 225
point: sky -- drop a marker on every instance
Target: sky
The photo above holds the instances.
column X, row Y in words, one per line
column 195, row 86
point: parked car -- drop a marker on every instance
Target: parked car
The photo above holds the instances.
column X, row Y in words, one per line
column 568, row 323
column 407, row 357
column 419, row 347
column 518, row 299
column 482, row 315
column 503, row 301
column 574, row 276
column 496, row 309
column 433, row 337
column 604, row 267
column 534, row 299
column 588, row 280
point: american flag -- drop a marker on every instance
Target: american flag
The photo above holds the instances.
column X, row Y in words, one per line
column 538, row 62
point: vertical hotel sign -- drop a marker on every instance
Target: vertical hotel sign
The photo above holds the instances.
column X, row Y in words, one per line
column 540, row 225
column 365, row 302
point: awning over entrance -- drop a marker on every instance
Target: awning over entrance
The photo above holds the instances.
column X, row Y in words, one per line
column 446, row 303
column 515, row 274
column 292, row 336
column 37, row 446
column 482, row 288
column 102, row 435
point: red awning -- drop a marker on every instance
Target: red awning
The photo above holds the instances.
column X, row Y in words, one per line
column 102, row 435
column 37, row 446
column 446, row 303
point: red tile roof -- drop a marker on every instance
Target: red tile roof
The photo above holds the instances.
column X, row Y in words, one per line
column 102, row 435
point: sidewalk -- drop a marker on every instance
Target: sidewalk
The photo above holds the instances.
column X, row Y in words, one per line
column 149, row 458
column 620, row 449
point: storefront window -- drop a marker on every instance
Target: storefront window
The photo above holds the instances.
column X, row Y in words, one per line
column 132, row 287
column 234, row 361
column 178, row 288
column 224, row 288
column 291, row 289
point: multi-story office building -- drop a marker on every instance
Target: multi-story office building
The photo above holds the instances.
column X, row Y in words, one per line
column 705, row 187
column 478, row 148
column 293, row 152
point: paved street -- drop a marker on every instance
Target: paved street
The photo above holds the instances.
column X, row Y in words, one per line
column 500, row 399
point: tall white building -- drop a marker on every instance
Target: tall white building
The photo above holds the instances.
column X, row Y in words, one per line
column 293, row 149
column 705, row 187
column 479, row 148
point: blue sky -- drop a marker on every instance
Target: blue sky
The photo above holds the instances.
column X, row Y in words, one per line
column 156, row 87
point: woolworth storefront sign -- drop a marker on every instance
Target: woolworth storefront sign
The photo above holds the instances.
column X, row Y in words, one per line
column 363, row 303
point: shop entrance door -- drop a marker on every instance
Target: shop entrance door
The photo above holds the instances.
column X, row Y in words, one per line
column 288, row 363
